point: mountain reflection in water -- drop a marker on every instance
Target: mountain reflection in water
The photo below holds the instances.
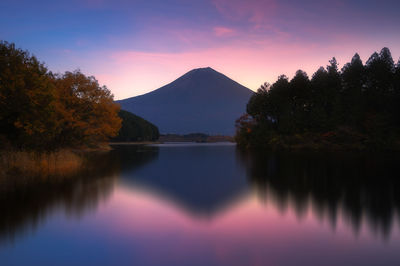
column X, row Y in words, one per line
column 211, row 194
column 202, row 179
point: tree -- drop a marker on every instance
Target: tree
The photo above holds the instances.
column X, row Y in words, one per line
column 380, row 97
column 244, row 126
column 280, row 104
column 27, row 95
column 300, row 92
column 86, row 111
column 333, row 90
column 357, row 106
column 379, row 84
column 320, row 101
column 397, row 92
column 353, row 102
column 258, row 103
column 43, row 112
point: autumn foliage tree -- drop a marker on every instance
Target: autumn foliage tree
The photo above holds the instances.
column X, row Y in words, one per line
column 86, row 112
column 27, row 99
column 43, row 112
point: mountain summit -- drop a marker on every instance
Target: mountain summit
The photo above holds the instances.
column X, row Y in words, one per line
column 202, row 100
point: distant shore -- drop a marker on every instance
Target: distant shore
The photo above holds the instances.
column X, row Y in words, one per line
column 162, row 142
column 135, row 143
column 168, row 138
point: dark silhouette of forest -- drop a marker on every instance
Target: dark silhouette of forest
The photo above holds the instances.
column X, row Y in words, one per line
column 356, row 107
column 135, row 128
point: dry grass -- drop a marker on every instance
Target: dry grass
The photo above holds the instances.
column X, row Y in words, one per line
column 63, row 162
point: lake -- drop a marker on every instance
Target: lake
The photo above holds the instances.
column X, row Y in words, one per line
column 208, row 204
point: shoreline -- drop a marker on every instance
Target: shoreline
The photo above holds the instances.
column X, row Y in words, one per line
column 135, row 143
column 321, row 146
column 162, row 142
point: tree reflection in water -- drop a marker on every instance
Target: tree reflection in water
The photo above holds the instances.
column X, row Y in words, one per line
column 26, row 202
column 359, row 188
column 364, row 188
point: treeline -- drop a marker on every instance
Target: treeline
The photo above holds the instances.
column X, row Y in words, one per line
column 356, row 107
column 135, row 128
column 42, row 111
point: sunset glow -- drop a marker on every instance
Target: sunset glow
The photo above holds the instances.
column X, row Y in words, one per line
column 134, row 47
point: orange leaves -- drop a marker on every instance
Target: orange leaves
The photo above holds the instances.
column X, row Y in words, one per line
column 87, row 111
column 18, row 124
column 42, row 111
column 244, row 122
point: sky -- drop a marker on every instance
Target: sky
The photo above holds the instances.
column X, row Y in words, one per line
column 136, row 46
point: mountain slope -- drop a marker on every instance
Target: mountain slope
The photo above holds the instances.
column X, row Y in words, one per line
column 203, row 100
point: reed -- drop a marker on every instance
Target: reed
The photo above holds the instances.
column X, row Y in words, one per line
column 63, row 162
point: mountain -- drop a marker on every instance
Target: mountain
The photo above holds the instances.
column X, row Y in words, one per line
column 203, row 100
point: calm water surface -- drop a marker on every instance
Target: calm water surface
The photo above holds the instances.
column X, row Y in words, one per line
column 202, row 204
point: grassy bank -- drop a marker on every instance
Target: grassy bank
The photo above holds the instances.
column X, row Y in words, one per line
column 25, row 163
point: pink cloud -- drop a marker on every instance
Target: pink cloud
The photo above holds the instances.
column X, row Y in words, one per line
column 255, row 11
column 66, row 51
column 224, row 31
